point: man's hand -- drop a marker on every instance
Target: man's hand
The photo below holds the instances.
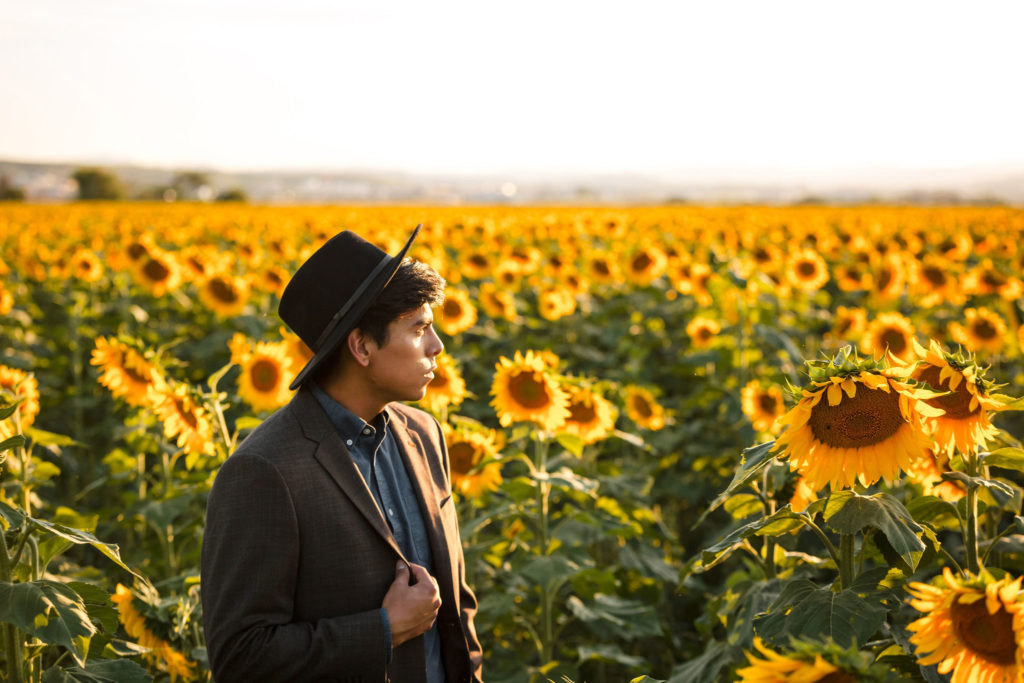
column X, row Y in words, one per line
column 411, row 603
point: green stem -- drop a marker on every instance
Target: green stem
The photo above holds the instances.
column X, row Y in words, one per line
column 832, row 550
column 973, row 565
column 12, row 637
column 846, row 573
column 769, row 541
column 543, row 499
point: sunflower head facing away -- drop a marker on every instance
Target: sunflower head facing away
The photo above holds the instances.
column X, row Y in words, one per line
column 973, row 627
column 966, row 399
column 124, row 370
column 810, row 662
column 526, row 390
column 856, row 420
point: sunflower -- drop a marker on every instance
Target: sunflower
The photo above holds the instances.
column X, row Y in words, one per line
column 602, row 268
column 159, row 272
column 807, row 271
column 296, row 349
column 477, row 264
column 224, row 294
column 988, row 279
column 6, row 300
column 646, row 265
column 984, row 330
column 497, row 303
column 556, row 302
column 853, row 277
column 20, row 385
column 643, row 409
column 891, row 332
column 123, row 370
column 702, row 331
column 447, row 388
column 762, row 405
column 272, row 279
column 266, row 372
column 160, row 652
column 849, row 324
column 972, row 627
column 890, row 277
column 868, row 426
column 928, row 473
column 185, row 420
column 937, row 282
column 457, row 314
column 526, row 390
column 809, row 662
column 692, row 278
column 803, row 495
column 86, row 266
column 467, row 449
column 966, row 402
column 591, row 416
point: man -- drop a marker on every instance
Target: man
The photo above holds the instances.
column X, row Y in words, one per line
column 332, row 549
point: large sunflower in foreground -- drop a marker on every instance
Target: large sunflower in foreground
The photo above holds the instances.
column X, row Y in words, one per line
column 266, row 372
column 972, row 628
column 525, row 390
column 809, row 662
column 447, row 388
column 591, row 415
column 20, row 385
column 160, row 652
column 762, row 405
column 966, row 402
column 123, row 370
column 643, row 408
column 467, row 449
column 856, row 420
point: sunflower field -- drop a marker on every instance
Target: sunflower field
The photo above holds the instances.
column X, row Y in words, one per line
column 689, row 444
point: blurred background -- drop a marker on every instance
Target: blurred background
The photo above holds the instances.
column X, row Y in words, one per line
column 482, row 102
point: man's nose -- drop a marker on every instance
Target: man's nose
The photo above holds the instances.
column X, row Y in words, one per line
column 436, row 345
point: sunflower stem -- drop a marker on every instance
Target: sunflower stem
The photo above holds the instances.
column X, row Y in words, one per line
column 971, row 462
column 12, row 637
column 543, row 510
column 846, row 570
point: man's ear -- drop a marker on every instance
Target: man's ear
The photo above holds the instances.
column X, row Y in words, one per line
column 360, row 346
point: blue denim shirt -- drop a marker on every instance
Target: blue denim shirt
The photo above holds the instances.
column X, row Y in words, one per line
column 377, row 457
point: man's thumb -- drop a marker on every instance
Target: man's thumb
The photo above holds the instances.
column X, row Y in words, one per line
column 401, row 567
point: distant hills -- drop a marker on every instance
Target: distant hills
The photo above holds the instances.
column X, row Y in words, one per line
column 52, row 182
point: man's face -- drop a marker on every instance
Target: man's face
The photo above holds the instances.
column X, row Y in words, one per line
column 402, row 368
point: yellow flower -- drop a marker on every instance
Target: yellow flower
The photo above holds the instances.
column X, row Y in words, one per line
column 891, row 332
column 972, row 628
column 497, row 303
column 984, row 330
column 965, row 422
column 762, row 405
column 159, row 272
column 807, row 271
column 778, row 668
column 555, row 303
column 185, row 420
column 457, row 314
column 702, row 331
column 803, row 495
column 646, row 265
column 859, row 423
column 525, row 390
column 123, row 370
column 849, row 324
column 20, row 385
column 928, row 473
column 447, row 388
column 643, row 409
column 467, row 449
column 591, row 416
column 224, row 294
column 160, row 652
column 86, row 266
column 266, row 372
column 6, row 300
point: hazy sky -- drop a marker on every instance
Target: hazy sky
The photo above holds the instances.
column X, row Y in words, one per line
column 473, row 86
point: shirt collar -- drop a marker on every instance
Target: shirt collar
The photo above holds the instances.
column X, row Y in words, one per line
column 348, row 424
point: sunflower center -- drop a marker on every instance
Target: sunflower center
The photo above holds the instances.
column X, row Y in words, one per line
column 582, row 413
column 895, row 340
column 452, row 309
column 993, row 278
column 761, row 255
column 134, row 374
column 870, row 417
column 265, row 375
column 642, row 407
column 223, row 290
column 936, row 276
column 983, row 329
column 479, row 260
column 990, row 636
column 156, row 271
column 837, row 677
column 956, row 404
column 462, row 456
column 806, row 268
column 884, row 278
column 529, row 391
column 440, row 380
column 768, row 403
column 642, row 262
column 601, row 268
column 187, row 415
column 136, row 251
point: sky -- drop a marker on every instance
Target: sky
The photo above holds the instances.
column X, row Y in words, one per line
column 551, row 86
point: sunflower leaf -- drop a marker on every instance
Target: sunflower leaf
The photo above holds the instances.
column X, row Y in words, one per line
column 1005, row 495
column 44, row 438
column 49, row 611
column 752, row 463
column 1007, row 458
column 102, row 671
column 782, row 521
column 803, row 610
column 16, row 441
column 849, row 513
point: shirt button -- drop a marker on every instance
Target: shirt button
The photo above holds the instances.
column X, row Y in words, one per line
column 349, row 442
column 391, row 512
column 366, row 431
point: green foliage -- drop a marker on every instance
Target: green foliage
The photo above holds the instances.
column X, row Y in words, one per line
column 97, row 183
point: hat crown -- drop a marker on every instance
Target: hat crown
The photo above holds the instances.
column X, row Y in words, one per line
column 326, row 282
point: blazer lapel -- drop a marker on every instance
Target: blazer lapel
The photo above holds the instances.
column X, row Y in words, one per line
column 334, row 457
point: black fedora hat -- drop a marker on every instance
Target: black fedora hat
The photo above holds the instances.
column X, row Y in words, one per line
column 332, row 290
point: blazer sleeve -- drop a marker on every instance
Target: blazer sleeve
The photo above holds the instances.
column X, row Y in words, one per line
column 249, row 565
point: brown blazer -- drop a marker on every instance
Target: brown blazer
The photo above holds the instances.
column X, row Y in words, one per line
column 297, row 557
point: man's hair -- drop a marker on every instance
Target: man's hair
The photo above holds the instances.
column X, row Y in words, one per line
column 414, row 283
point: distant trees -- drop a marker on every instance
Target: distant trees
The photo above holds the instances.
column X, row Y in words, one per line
column 235, row 194
column 8, row 192
column 97, row 183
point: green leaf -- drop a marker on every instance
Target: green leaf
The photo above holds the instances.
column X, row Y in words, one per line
column 1005, row 496
column 43, row 438
column 717, row 657
column 743, row 505
column 248, row 422
column 782, row 521
column 610, row 617
column 549, row 570
column 571, row 443
column 49, row 611
column 8, row 409
column 930, row 509
column 609, row 653
column 16, row 441
column 805, row 611
column 1007, row 458
column 848, row 513
column 567, row 480
column 100, row 671
column 752, row 461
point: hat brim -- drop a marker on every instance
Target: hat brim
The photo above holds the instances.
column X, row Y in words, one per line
column 355, row 311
